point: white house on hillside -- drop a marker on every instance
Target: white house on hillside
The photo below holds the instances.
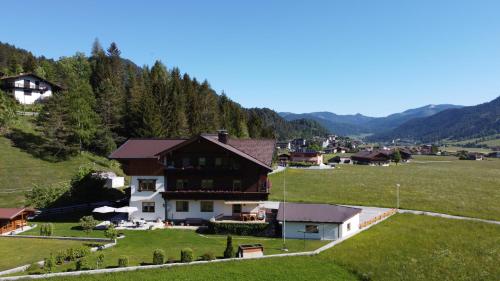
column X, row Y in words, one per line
column 28, row 88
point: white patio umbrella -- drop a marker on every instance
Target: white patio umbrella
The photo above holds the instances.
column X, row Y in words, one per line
column 127, row 209
column 104, row 209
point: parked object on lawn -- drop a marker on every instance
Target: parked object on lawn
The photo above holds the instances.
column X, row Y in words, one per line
column 250, row 251
column 318, row 221
column 13, row 218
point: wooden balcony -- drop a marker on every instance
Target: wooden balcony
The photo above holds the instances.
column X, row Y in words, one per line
column 214, row 194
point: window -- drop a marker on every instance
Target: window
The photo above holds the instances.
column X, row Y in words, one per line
column 147, row 185
column 206, row 206
column 218, row 162
column 207, row 184
column 27, row 92
column 236, row 164
column 181, row 183
column 148, row 207
column 311, row 228
column 202, row 161
column 236, row 208
column 348, row 226
column 237, row 185
column 186, row 162
column 181, row 206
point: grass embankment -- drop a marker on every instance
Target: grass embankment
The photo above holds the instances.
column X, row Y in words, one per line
column 20, row 251
column 404, row 247
column 20, row 168
column 439, row 184
column 139, row 245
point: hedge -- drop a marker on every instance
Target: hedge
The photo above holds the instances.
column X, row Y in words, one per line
column 253, row 229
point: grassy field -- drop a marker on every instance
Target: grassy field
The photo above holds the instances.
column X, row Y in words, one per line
column 139, row 245
column 404, row 247
column 440, row 184
column 19, row 251
column 20, row 169
column 451, row 148
column 410, row 247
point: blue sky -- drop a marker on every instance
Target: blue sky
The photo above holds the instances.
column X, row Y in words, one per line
column 371, row 57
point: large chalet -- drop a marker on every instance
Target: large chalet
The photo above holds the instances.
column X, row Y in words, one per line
column 207, row 176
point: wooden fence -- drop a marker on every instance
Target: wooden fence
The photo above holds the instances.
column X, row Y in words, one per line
column 377, row 218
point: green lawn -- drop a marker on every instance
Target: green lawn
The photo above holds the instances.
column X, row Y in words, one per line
column 440, row 184
column 139, row 245
column 70, row 229
column 404, row 247
column 19, row 251
column 410, row 247
column 19, row 169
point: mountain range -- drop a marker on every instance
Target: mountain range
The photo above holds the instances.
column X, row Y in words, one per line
column 455, row 124
column 358, row 124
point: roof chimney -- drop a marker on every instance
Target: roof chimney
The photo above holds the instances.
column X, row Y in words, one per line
column 223, row 136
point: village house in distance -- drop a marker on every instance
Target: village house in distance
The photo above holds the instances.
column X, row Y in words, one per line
column 210, row 176
column 28, row 88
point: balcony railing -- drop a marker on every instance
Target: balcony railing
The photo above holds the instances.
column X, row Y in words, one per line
column 26, row 86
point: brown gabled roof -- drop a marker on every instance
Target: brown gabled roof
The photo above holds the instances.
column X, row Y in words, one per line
column 259, row 151
column 54, row 85
column 143, row 148
column 10, row 213
column 315, row 213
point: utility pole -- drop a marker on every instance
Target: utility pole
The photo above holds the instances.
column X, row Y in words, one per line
column 284, row 211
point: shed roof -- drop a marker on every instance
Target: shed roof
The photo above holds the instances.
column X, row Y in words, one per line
column 316, row 213
column 10, row 213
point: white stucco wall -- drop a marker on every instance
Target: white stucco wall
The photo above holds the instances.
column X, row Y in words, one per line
column 36, row 95
column 354, row 221
column 327, row 231
column 137, row 197
column 220, row 207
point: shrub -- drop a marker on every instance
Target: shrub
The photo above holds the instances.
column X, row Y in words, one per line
column 61, row 257
column 229, row 252
column 88, row 223
column 123, row 261
column 158, row 256
column 82, row 263
column 44, row 196
column 253, row 229
column 186, row 255
column 42, row 230
column 49, row 229
column 100, row 260
column 111, row 232
column 208, row 256
column 82, row 252
column 49, row 263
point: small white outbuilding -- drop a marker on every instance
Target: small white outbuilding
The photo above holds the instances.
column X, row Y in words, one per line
column 318, row 221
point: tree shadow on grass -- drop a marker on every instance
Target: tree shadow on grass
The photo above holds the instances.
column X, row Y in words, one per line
column 33, row 144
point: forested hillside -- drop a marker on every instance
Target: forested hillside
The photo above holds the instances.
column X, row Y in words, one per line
column 452, row 124
column 108, row 99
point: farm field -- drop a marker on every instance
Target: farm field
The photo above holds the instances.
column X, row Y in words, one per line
column 404, row 247
column 19, row 251
column 439, row 184
column 19, row 169
column 139, row 245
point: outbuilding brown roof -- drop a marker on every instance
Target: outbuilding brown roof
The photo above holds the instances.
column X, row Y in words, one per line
column 10, row 213
column 323, row 213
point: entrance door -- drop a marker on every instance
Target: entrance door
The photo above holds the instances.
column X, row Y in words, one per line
column 236, row 210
